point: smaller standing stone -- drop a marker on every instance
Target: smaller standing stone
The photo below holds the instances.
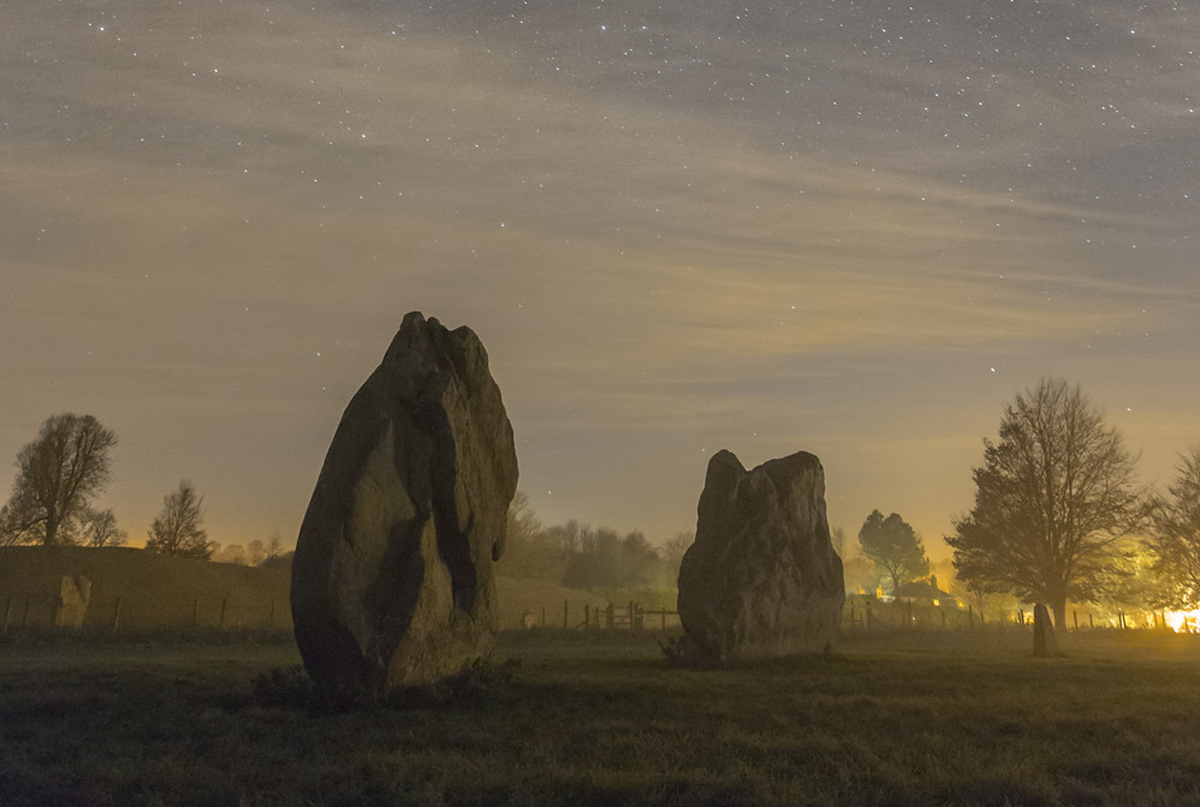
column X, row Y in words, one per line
column 762, row 578
column 1045, row 643
column 73, row 596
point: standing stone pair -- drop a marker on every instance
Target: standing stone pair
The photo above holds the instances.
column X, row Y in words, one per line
column 392, row 581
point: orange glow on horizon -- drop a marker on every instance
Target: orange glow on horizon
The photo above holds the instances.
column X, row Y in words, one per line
column 1183, row 621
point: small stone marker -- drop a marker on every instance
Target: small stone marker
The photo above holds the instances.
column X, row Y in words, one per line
column 73, row 596
column 1045, row 642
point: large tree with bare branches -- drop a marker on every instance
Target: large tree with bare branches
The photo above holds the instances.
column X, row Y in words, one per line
column 178, row 529
column 1054, row 495
column 57, row 475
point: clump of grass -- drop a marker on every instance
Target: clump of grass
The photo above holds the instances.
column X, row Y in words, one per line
column 483, row 678
column 675, row 649
column 284, row 687
column 684, row 651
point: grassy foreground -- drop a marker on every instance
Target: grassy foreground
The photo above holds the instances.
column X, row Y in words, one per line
column 592, row 719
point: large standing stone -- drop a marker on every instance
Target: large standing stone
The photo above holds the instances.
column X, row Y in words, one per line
column 762, row 577
column 392, row 582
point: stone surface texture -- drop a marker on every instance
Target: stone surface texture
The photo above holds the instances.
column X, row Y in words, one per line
column 762, row 577
column 393, row 581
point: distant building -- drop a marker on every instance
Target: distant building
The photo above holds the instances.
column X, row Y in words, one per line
column 925, row 591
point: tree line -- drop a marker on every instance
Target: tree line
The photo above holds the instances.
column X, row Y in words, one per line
column 67, row 466
column 576, row 555
column 1057, row 517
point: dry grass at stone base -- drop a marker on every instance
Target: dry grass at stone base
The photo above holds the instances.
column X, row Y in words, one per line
column 600, row 718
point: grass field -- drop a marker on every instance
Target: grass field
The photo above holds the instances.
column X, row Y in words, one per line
column 589, row 718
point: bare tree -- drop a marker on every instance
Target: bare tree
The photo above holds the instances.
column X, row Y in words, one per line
column 894, row 547
column 177, row 530
column 1175, row 537
column 278, row 555
column 256, row 552
column 274, row 547
column 68, row 464
column 523, row 526
column 570, row 538
column 674, row 550
column 100, row 529
column 1054, row 495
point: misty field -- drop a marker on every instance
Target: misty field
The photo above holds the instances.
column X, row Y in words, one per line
column 594, row 718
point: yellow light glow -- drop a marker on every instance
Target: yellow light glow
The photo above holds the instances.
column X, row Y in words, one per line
column 1183, row 621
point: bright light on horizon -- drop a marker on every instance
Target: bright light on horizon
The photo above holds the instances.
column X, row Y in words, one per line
column 1183, row 621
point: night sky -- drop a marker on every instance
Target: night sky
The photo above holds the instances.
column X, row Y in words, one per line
column 851, row 228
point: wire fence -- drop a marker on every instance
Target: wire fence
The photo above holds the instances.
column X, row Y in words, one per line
column 867, row 614
column 630, row 616
column 78, row 605
column 41, row 611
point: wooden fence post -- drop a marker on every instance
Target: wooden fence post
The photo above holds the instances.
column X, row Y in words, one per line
column 587, row 615
column 7, row 613
column 565, row 614
column 116, row 620
column 224, row 602
column 970, row 615
column 1091, row 624
column 196, row 610
column 1075, row 616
